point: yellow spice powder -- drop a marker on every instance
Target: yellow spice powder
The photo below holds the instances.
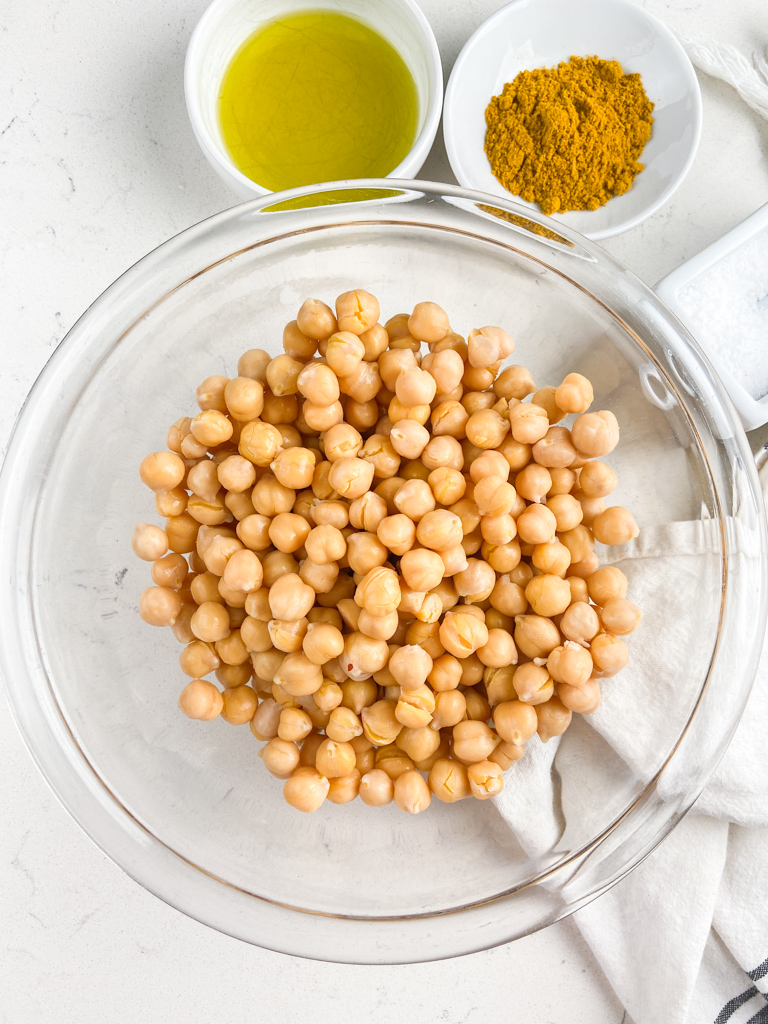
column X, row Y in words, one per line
column 569, row 138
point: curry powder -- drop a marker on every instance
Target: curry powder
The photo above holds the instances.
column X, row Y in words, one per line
column 569, row 138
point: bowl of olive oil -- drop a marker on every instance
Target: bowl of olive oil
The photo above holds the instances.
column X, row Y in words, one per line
column 282, row 95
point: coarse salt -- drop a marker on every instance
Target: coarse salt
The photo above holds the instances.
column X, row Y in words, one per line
column 726, row 308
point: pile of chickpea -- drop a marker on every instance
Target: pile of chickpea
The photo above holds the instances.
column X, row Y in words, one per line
column 387, row 550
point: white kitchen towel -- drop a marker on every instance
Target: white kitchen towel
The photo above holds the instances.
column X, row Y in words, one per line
column 683, row 939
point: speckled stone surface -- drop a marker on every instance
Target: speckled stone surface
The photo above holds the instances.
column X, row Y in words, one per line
column 98, row 166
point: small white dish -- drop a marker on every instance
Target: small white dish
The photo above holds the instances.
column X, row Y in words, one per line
column 528, row 34
column 227, row 24
column 740, row 261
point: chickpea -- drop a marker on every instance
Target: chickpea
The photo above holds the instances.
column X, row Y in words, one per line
column 619, row 616
column 570, row 664
column 447, row 485
column 280, row 410
column 379, row 591
column 537, row 525
column 575, row 394
column 414, row 386
column 476, row 582
column 345, row 788
column 563, row 481
column 528, row 422
column 351, row 477
column 253, row 532
column 171, row 503
column 294, row 468
column 615, row 526
column 231, row 676
column 473, row 741
column 418, row 743
column 210, row 622
column 280, row 757
column 606, row 584
column 422, row 569
column 344, row 353
column 553, row 558
column 579, row 591
column 290, row 598
column 210, row 394
column 253, row 364
column 553, row 718
column 298, row 676
column 159, row 606
column 325, row 544
column 412, row 793
column 428, row 322
column 297, row 344
column 514, row 382
column 294, row 725
column 149, row 542
column 363, row 655
column 446, row 369
column 287, row 634
column 493, row 497
column 316, row 320
column 449, row 417
column 198, row 659
column 508, row 597
column 322, row 417
column 489, row 463
column 500, row 649
column 595, row 434
column 597, row 480
column 397, row 533
column 306, row 789
column 288, row 532
column 201, row 700
column 448, row 780
column 244, row 398
column 461, row 634
column 322, row 642
column 445, row 673
column 555, row 449
column 243, row 571
column 486, row 779
column 580, row 622
column 240, row 704
column 548, row 595
column 318, row 384
column 363, row 384
column 410, row 667
column 211, row 428
column 536, row 635
column 260, row 442
column 170, row 571
column 566, row 510
column 266, row 719
column 584, row 699
column 486, row 429
column 376, row 788
column 357, row 311
column 487, row 345
column 414, row 499
column 162, row 471
column 472, row 671
column 515, row 721
column 533, row 683
column 231, row 650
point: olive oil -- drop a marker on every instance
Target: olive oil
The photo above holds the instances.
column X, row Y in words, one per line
column 317, row 96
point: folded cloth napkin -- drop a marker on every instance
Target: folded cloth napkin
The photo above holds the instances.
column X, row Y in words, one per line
column 683, row 939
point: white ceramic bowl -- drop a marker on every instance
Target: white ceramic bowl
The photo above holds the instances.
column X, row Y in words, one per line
column 529, row 34
column 227, row 24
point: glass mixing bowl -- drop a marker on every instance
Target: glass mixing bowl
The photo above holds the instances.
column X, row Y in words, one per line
column 187, row 808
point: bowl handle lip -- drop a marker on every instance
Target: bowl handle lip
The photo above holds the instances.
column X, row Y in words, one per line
column 753, row 412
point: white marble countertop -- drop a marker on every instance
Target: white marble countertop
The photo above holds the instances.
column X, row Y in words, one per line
column 98, row 166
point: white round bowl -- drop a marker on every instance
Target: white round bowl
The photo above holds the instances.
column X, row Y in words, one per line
column 227, row 24
column 528, row 34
